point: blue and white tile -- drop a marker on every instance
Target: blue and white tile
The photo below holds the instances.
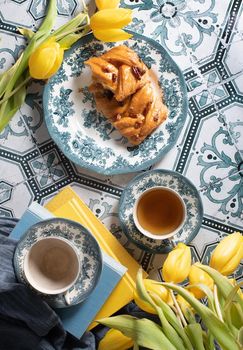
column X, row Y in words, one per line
column 233, row 117
column 216, row 158
column 15, row 194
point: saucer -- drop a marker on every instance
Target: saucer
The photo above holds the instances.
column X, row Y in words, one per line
column 89, row 253
column 174, row 181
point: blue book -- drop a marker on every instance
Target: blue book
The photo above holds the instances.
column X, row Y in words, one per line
column 77, row 318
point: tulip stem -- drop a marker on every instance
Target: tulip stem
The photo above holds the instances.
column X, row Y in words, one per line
column 217, row 306
column 84, row 5
column 15, row 90
column 178, row 309
column 71, row 31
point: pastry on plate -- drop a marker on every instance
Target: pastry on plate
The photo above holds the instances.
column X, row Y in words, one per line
column 127, row 93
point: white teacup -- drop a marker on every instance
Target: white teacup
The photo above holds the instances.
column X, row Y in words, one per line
column 159, row 213
column 52, row 265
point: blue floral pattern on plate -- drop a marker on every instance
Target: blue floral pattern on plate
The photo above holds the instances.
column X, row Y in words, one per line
column 165, row 178
column 76, row 126
column 87, row 247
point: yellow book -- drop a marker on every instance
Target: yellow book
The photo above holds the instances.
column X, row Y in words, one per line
column 67, row 204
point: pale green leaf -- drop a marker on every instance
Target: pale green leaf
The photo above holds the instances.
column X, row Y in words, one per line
column 11, row 106
column 168, row 330
column 208, row 340
column 26, row 32
column 143, row 331
column 240, row 336
column 195, row 334
column 135, row 347
column 70, row 39
column 48, row 21
column 219, row 329
column 208, row 293
column 81, row 20
column 234, row 317
column 224, row 286
column 232, row 296
column 171, row 317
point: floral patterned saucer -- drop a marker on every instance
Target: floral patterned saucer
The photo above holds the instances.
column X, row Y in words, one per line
column 175, row 181
column 89, row 252
column 84, row 135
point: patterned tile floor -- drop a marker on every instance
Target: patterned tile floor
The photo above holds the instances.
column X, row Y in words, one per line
column 205, row 38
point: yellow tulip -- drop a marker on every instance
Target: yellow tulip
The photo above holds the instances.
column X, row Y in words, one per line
column 228, row 254
column 198, row 276
column 177, row 264
column 115, row 340
column 46, row 60
column 158, row 289
column 107, row 24
column 107, row 4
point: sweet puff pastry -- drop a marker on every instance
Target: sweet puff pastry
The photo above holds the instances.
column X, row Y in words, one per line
column 127, row 93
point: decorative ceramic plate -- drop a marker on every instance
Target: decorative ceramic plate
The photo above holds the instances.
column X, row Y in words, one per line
column 84, row 135
column 89, row 253
column 165, row 178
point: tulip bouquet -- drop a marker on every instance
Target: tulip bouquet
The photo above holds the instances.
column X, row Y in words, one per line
column 185, row 322
column 44, row 53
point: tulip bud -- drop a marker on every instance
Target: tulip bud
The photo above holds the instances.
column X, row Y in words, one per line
column 157, row 289
column 198, row 276
column 107, row 24
column 177, row 264
column 46, row 60
column 107, row 4
column 228, row 254
column 115, row 340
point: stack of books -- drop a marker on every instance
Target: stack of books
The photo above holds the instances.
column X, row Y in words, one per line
column 117, row 281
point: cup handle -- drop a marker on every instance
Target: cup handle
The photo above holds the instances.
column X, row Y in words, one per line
column 67, row 298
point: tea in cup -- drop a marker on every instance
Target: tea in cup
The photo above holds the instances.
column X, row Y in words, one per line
column 159, row 213
column 52, row 265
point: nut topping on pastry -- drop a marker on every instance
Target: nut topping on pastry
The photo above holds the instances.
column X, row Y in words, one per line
column 127, row 93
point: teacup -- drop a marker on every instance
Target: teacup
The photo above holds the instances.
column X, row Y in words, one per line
column 159, row 212
column 52, row 265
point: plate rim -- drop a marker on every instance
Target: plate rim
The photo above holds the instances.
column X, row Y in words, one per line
column 100, row 267
column 124, row 169
column 167, row 249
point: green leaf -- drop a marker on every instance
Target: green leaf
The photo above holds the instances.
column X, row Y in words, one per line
column 7, row 76
column 49, row 20
column 144, row 332
column 208, row 293
column 82, row 19
column 135, row 347
column 70, row 39
column 168, row 330
column 232, row 296
column 171, row 317
column 208, row 340
column 195, row 334
column 240, row 336
column 234, row 317
column 219, row 329
column 224, row 286
column 11, row 106
column 26, row 32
